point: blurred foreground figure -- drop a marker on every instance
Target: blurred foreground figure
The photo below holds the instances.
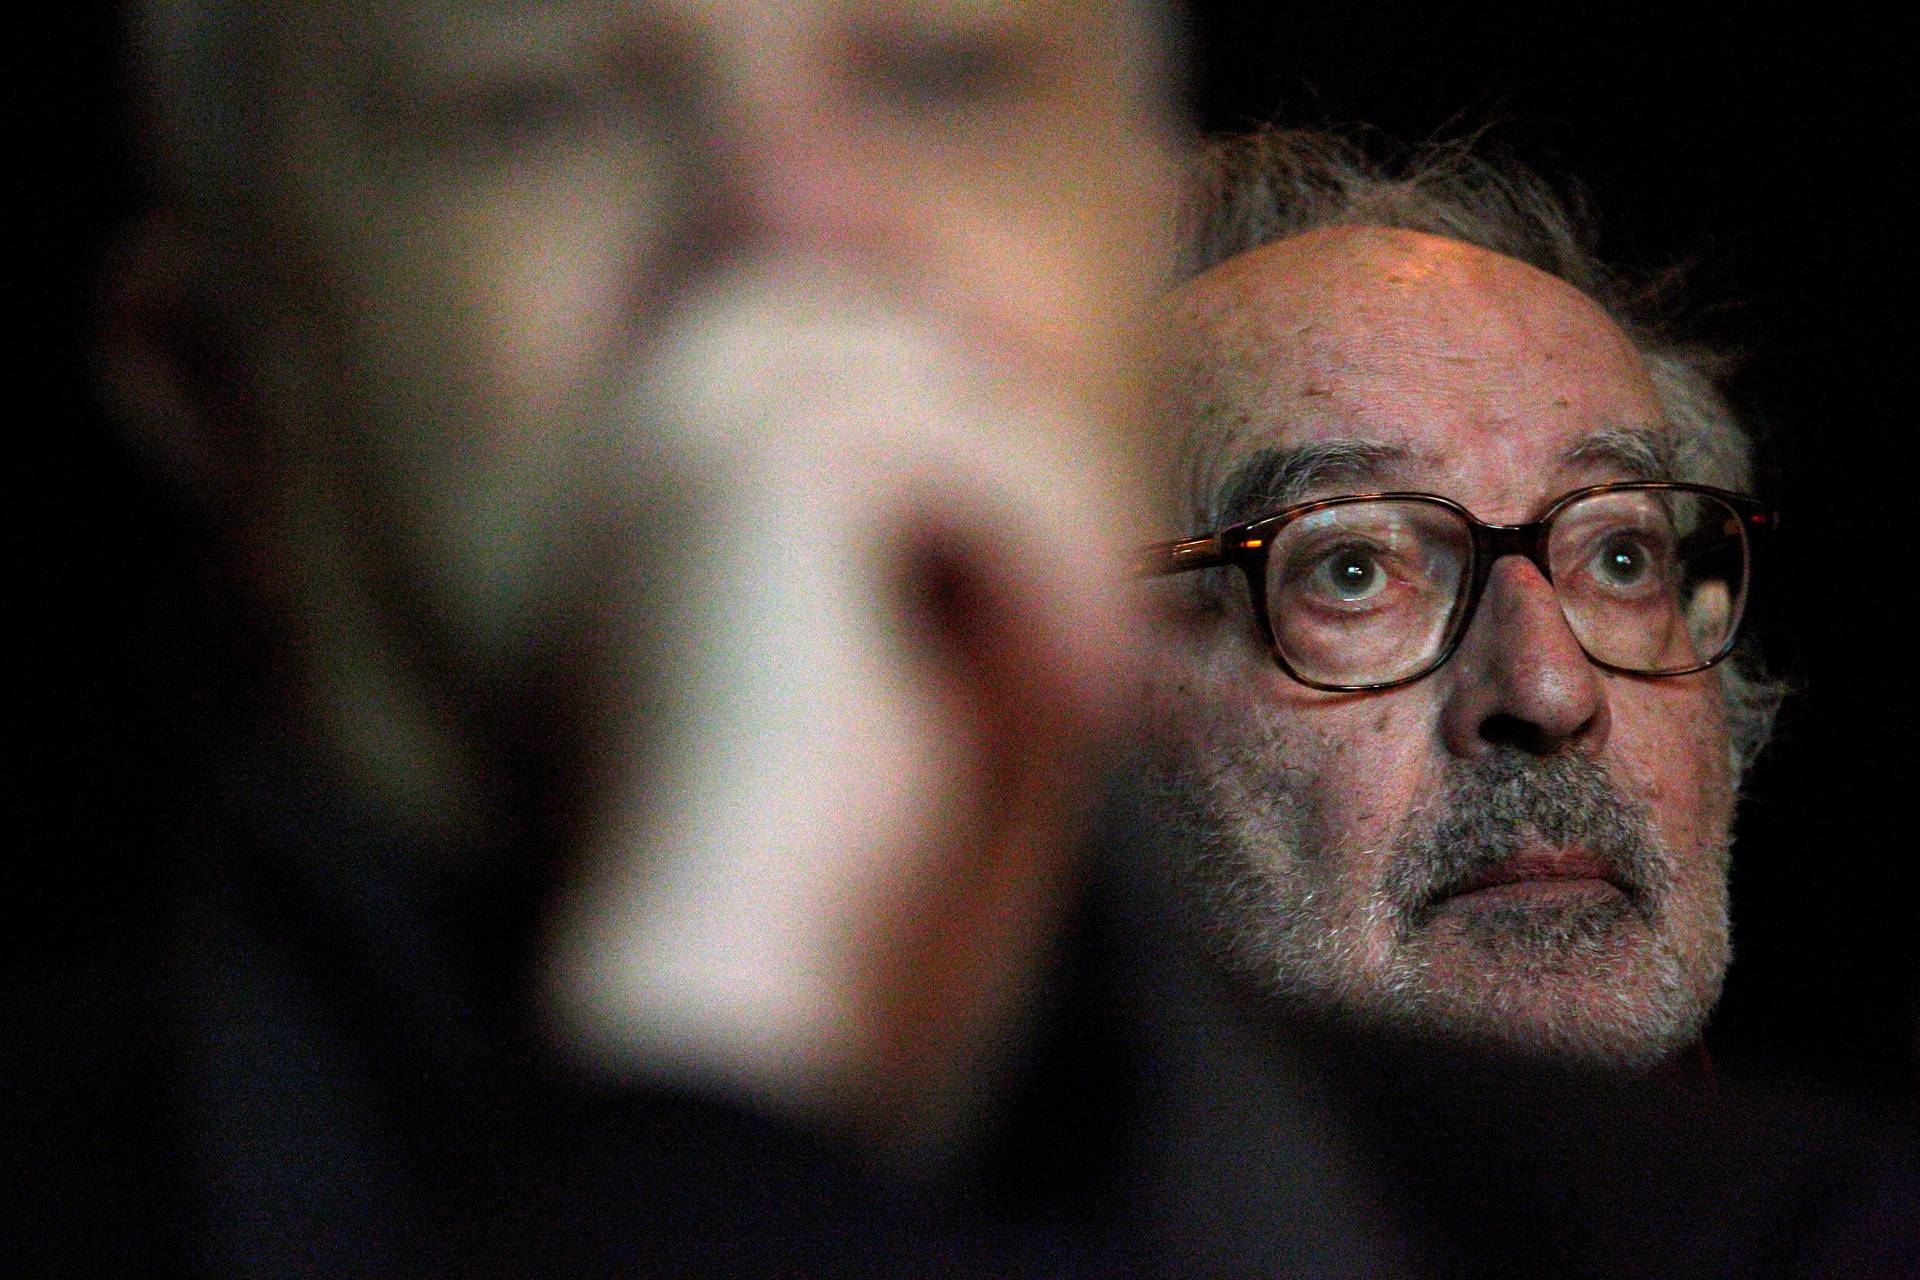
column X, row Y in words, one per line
column 664, row 454
column 1455, row 715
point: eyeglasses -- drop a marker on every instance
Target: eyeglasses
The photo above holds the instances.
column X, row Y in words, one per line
column 1376, row 590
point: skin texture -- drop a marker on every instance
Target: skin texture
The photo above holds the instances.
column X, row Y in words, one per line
column 659, row 433
column 1325, row 829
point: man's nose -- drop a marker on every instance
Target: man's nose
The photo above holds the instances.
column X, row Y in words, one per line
column 1520, row 679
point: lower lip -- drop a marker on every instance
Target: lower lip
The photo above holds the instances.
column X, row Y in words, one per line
column 1543, row 892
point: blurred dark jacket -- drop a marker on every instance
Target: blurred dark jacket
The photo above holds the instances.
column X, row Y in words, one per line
column 312, row 1062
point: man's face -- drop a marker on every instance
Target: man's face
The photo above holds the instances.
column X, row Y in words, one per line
column 484, row 236
column 1520, row 847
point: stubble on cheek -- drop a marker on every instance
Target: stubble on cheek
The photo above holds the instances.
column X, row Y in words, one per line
column 1364, row 777
column 1298, row 836
column 1285, row 830
column 1628, row 981
column 1680, row 769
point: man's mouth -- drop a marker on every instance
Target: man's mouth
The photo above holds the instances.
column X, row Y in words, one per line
column 1536, row 876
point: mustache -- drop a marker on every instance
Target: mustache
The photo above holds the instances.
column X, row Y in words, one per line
column 1493, row 808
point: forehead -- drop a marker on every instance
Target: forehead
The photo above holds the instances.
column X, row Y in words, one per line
column 1459, row 370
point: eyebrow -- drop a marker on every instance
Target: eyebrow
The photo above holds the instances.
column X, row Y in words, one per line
column 1272, row 478
column 1643, row 453
column 1279, row 477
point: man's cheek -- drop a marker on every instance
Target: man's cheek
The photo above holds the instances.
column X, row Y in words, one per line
column 556, row 310
column 1371, row 759
column 1673, row 756
column 539, row 296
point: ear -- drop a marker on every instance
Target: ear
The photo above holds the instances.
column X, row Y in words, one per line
column 163, row 357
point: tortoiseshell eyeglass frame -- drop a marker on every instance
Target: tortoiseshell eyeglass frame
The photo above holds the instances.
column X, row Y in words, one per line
column 1246, row 545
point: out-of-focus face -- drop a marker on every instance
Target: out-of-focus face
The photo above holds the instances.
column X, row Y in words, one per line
column 528, row 279
column 677, row 450
column 1520, row 847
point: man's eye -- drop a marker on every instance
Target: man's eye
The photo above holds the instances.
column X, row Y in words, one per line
column 1624, row 563
column 1348, row 575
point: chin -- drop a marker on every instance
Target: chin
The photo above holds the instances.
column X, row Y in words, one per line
column 1602, row 985
column 1583, row 1019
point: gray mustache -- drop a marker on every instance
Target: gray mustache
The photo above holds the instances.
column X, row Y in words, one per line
column 1494, row 807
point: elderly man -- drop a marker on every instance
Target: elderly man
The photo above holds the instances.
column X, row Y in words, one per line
column 648, row 443
column 1452, row 721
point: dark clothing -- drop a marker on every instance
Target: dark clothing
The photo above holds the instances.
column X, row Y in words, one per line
column 312, row 1063
column 1252, row 1148
column 307, row 1067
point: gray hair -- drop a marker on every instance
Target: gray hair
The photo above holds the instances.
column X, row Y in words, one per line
column 1254, row 189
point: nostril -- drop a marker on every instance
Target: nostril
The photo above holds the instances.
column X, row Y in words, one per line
column 1504, row 730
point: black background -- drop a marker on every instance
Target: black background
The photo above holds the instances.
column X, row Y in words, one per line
column 1774, row 154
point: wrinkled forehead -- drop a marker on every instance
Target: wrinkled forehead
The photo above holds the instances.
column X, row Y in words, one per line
column 1382, row 359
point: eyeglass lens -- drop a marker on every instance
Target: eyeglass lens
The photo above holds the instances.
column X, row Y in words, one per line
column 1649, row 580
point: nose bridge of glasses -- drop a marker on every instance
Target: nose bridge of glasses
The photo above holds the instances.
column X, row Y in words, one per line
column 1494, row 542
column 1524, row 631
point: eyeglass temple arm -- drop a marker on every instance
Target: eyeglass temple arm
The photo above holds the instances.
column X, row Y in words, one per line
column 1180, row 555
column 1757, row 520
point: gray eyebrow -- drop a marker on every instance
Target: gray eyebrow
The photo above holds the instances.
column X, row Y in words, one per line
column 1641, row 452
column 1277, row 477
column 1272, row 478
